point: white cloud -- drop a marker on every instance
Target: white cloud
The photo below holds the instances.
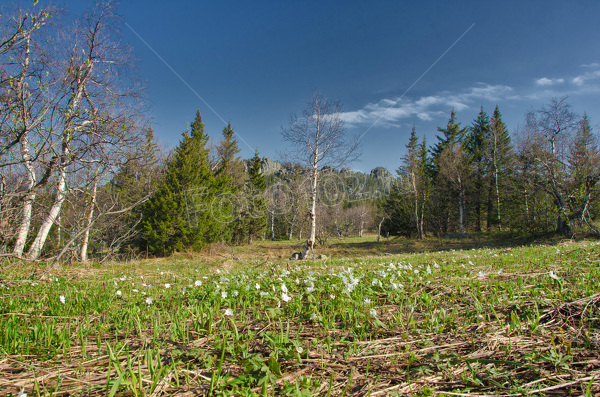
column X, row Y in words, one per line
column 388, row 112
column 581, row 79
column 593, row 65
column 544, row 81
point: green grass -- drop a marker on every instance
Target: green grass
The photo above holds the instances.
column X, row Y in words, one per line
column 472, row 317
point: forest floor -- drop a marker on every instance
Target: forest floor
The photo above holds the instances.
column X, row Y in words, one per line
column 479, row 316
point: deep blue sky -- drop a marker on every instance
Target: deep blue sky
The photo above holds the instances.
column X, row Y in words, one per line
column 255, row 62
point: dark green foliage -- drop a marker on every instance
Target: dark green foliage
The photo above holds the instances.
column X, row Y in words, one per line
column 179, row 216
column 477, row 147
column 257, row 204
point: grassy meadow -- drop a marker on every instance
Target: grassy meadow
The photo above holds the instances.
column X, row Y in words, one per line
column 399, row 318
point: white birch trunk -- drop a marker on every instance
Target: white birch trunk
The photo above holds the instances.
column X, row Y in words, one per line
column 90, row 217
column 313, row 209
column 37, row 245
column 23, row 232
column 27, row 202
column 461, row 228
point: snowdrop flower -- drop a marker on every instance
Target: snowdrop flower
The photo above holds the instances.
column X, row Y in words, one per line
column 119, row 293
column 373, row 313
column 62, row 299
column 198, row 283
column 285, row 297
column 229, row 312
column 167, row 286
column 551, row 274
column 223, row 294
column 149, row 300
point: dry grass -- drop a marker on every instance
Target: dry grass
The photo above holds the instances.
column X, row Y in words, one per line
column 506, row 352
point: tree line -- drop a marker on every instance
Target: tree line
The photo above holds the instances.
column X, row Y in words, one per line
column 479, row 177
column 81, row 173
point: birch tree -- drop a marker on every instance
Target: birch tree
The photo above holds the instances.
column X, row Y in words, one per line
column 318, row 140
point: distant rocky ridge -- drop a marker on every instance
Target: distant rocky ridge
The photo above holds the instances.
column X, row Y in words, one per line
column 270, row 167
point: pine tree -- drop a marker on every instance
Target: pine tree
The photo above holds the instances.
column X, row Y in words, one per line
column 501, row 167
column 257, row 204
column 229, row 208
column 450, row 173
column 410, row 177
column 476, row 147
column 177, row 217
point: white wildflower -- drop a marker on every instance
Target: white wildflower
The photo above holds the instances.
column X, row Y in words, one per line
column 62, row 299
column 119, row 293
column 167, row 285
column 481, row 274
column 367, row 301
column 149, row 300
column 223, row 294
column 373, row 313
column 299, row 349
column 235, row 293
column 284, row 288
column 229, row 312
column 198, row 283
column 553, row 275
column 285, row 297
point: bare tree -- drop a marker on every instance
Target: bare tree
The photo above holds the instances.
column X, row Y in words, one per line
column 319, row 140
column 547, row 134
column 69, row 108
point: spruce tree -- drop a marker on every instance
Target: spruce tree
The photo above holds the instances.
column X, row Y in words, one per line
column 411, row 179
column 229, row 207
column 257, row 203
column 449, row 173
column 477, row 149
column 177, row 216
column 501, row 167
column 584, row 166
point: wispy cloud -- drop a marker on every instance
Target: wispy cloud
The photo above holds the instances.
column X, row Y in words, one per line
column 593, row 65
column 583, row 78
column 544, row 81
column 390, row 111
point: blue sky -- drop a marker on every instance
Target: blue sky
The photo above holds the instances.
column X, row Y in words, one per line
column 392, row 64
